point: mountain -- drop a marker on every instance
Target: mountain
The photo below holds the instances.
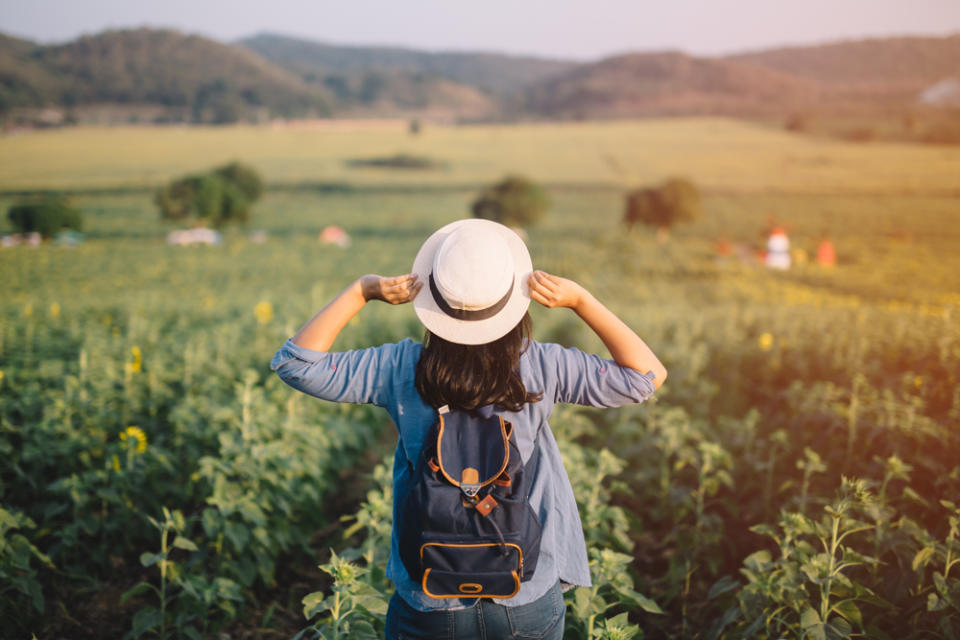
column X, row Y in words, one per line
column 887, row 70
column 24, row 82
column 190, row 77
column 163, row 75
column 668, row 83
column 497, row 74
column 405, row 93
column 848, row 77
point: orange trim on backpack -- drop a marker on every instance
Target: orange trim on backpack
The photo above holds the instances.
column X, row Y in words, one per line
column 506, row 453
column 432, row 463
column 516, row 589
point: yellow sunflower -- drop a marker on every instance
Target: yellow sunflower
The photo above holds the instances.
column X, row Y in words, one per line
column 135, row 433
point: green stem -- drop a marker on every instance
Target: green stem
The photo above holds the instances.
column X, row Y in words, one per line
column 163, row 583
column 335, row 614
column 825, row 591
column 590, row 621
column 686, row 593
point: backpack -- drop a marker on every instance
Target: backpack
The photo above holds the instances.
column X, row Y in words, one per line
column 466, row 528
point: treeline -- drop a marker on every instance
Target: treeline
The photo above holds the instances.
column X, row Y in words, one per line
column 497, row 74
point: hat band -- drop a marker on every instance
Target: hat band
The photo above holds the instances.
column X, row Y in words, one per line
column 470, row 314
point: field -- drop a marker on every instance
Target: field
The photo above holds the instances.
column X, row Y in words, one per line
column 796, row 477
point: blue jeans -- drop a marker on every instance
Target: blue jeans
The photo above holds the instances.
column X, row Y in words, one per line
column 541, row 619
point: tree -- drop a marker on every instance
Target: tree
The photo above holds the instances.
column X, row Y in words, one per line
column 213, row 199
column 514, row 201
column 244, row 177
column 676, row 200
column 46, row 217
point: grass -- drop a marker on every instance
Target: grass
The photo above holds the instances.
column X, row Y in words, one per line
column 721, row 155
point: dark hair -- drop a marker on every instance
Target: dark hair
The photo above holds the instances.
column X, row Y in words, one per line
column 464, row 376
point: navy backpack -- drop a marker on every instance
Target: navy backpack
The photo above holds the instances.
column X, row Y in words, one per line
column 466, row 528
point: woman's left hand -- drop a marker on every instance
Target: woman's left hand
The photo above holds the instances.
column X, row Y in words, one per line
column 391, row 289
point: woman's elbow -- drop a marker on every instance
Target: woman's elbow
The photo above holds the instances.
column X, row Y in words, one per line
column 660, row 376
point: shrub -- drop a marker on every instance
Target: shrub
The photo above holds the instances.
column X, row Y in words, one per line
column 676, row 200
column 45, row 217
column 514, row 201
column 213, row 199
column 246, row 179
column 396, row 161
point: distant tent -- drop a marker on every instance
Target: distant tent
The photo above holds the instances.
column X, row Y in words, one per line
column 192, row 237
column 335, row 235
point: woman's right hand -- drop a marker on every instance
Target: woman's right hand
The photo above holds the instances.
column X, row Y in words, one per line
column 391, row 289
column 553, row 291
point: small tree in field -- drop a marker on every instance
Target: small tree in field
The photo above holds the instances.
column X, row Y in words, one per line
column 214, row 199
column 676, row 200
column 45, row 217
column 244, row 177
column 514, row 201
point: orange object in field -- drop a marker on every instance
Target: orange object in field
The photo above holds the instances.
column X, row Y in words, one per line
column 826, row 254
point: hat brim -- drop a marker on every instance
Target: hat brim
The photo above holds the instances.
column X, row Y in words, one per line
column 472, row 331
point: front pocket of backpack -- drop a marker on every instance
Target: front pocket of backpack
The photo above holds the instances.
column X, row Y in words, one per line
column 471, row 570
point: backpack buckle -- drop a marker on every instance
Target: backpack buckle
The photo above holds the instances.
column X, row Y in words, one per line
column 470, row 482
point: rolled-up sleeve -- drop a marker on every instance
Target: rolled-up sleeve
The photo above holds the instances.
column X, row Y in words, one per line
column 362, row 376
column 587, row 379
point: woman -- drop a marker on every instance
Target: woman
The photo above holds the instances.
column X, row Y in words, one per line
column 471, row 285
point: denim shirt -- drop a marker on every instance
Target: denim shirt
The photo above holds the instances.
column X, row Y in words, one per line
column 384, row 376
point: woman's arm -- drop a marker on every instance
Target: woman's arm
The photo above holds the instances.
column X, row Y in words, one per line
column 320, row 332
column 625, row 345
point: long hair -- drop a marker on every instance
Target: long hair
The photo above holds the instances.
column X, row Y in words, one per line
column 468, row 377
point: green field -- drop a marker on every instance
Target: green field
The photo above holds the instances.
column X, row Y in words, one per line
column 721, row 155
column 800, row 405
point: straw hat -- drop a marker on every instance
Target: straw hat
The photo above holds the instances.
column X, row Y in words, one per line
column 474, row 274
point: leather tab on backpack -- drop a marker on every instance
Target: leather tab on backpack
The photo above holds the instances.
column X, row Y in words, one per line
column 485, row 506
column 470, row 482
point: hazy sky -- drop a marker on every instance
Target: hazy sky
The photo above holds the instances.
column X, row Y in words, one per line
column 582, row 29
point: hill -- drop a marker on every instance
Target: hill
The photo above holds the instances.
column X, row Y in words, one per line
column 189, row 77
column 668, row 83
column 845, row 77
column 497, row 74
column 24, row 82
column 161, row 75
column 888, row 70
column 404, row 93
